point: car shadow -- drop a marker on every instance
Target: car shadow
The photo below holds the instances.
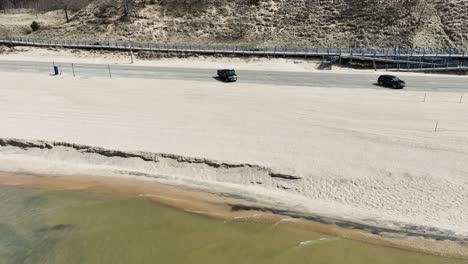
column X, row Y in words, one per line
column 386, row 87
column 218, row 79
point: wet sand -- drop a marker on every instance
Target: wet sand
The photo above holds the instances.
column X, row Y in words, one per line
column 221, row 206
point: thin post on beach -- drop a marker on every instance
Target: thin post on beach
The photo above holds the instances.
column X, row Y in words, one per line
column 110, row 74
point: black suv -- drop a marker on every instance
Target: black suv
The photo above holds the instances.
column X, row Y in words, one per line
column 391, row 81
column 227, row 75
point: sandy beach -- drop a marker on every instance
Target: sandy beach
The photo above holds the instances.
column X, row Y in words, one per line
column 382, row 158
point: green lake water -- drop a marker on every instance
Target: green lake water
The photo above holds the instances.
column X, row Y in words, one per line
column 73, row 227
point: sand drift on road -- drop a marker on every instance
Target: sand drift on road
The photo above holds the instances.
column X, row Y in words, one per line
column 386, row 158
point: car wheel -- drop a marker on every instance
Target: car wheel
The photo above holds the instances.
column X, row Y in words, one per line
column 380, row 83
column 395, row 86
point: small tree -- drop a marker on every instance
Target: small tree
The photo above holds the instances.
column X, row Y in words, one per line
column 242, row 18
column 65, row 6
column 125, row 4
column 35, row 26
column 423, row 11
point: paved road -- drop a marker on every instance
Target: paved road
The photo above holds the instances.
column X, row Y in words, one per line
column 315, row 79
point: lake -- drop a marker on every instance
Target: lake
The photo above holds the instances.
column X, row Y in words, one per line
column 39, row 226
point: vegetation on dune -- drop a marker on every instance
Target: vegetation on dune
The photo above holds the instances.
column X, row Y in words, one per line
column 330, row 23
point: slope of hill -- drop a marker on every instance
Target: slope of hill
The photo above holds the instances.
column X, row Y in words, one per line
column 344, row 23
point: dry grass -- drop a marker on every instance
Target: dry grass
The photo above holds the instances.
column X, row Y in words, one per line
column 18, row 23
column 344, row 23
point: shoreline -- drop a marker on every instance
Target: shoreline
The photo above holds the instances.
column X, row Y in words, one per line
column 225, row 207
column 278, row 190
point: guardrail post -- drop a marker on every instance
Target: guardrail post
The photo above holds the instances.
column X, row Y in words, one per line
column 340, row 57
column 375, row 65
column 131, row 53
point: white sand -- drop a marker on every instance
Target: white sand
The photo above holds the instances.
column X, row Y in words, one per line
column 366, row 155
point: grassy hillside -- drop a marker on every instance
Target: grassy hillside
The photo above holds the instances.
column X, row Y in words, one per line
column 344, row 23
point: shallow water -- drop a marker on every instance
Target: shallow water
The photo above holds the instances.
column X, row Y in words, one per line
column 74, row 227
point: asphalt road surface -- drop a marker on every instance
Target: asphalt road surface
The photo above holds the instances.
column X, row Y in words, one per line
column 312, row 79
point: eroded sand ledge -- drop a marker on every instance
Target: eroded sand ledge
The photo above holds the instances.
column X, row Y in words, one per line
column 49, row 158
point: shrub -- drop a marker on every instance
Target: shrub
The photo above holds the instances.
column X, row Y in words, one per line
column 255, row 2
column 35, row 26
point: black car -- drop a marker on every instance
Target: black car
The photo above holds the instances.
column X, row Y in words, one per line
column 391, row 81
column 227, row 75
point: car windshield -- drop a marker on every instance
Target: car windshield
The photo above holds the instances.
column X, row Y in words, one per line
column 231, row 72
column 395, row 79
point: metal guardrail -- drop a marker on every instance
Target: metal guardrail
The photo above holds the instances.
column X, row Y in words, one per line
column 399, row 54
column 409, row 59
